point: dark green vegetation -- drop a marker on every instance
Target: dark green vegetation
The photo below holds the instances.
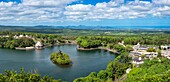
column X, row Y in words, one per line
column 151, row 49
column 114, row 70
column 119, row 48
column 89, row 42
column 86, row 41
column 46, row 39
column 9, row 42
column 60, row 58
column 22, row 76
column 156, row 70
column 110, row 41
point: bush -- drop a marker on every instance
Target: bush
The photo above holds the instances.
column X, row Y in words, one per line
column 151, row 71
column 60, row 58
column 22, row 76
column 119, row 48
column 151, row 50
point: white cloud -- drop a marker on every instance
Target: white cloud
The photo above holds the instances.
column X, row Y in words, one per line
column 162, row 2
column 33, row 10
column 79, row 7
column 110, row 10
column 161, row 11
column 7, row 4
column 46, row 3
column 59, row 10
column 115, row 10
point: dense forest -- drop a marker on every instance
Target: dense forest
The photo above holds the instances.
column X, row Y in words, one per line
column 22, row 76
column 9, row 42
column 156, row 70
column 60, row 58
column 46, row 39
column 82, row 41
column 109, row 41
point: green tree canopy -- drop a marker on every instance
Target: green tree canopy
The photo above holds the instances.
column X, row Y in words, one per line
column 60, row 58
column 151, row 49
column 22, row 76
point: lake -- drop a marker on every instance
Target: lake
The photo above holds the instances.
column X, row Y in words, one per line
column 84, row 62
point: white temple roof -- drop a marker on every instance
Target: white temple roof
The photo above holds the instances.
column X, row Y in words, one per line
column 38, row 44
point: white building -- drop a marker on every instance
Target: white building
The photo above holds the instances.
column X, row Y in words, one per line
column 165, row 47
column 128, row 70
column 21, row 36
column 138, row 61
column 134, row 54
column 38, row 45
column 121, row 43
column 138, row 47
column 151, row 54
column 5, row 36
column 16, row 37
column 165, row 53
column 145, row 53
column 27, row 36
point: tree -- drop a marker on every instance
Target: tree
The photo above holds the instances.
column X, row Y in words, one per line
column 22, row 76
column 151, row 49
column 60, row 58
column 151, row 71
column 129, row 48
column 159, row 53
column 84, row 44
column 102, row 75
column 119, row 48
column 110, row 46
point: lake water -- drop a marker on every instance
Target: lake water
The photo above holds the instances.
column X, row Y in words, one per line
column 84, row 62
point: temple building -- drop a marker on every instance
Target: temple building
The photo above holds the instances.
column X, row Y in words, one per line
column 38, row 45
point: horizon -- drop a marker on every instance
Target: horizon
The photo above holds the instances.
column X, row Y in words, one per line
column 85, row 12
column 75, row 26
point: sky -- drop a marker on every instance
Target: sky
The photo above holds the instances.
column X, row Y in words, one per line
column 85, row 12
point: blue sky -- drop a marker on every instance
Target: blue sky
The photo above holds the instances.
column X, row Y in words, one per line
column 85, row 12
column 83, row 1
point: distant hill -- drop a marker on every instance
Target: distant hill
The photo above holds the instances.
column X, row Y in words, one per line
column 82, row 29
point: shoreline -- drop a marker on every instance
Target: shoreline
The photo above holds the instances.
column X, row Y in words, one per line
column 26, row 48
column 99, row 48
column 80, row 49
column 46, row 46
column 59, row 44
